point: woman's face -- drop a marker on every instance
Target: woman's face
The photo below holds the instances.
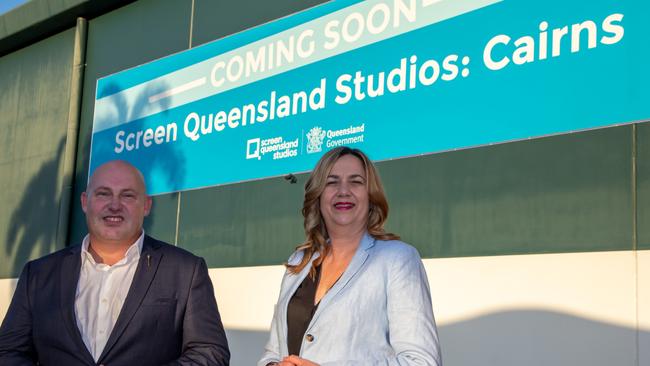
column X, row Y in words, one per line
column 344, row 202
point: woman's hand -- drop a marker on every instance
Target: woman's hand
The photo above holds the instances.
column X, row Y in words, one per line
column 297, row 361
column 282, row 363
column 285, row 363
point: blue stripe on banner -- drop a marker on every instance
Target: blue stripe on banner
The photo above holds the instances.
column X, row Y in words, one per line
column 506, row 72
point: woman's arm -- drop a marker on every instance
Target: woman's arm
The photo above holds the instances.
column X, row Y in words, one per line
column 272, row 349
column 412, row 327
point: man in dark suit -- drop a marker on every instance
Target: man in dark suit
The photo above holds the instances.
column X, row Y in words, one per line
column 119, row 298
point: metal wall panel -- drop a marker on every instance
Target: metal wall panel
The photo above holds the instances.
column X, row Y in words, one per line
column 568, row 193
column 132, row 35
column 643, row 185
column 34, row 102
column 556, row 194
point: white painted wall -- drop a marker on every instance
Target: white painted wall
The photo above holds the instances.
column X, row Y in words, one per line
column 643, row 306
column 7, row 287
column 533, row 310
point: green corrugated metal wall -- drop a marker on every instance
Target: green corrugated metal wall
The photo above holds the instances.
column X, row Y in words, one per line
column 34, row 101
column 567, row 193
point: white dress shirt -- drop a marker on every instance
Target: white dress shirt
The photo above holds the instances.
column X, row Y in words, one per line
column 101, row 292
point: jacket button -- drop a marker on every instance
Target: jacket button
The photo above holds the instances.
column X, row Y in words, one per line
column 309, row 337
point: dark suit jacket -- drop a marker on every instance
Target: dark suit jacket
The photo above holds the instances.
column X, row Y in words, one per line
column 169, row 316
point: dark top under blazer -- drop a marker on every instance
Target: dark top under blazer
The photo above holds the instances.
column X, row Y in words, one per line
column 300, row 311
column 169, row 316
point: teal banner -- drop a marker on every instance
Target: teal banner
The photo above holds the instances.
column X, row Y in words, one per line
column 395, row 78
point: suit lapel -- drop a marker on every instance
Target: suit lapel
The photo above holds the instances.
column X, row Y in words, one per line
column 69, row 271
column 355, row 265
column 144, row 274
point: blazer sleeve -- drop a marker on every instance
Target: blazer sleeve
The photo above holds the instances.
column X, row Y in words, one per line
column 272, row 349
column 16, row 346
column 204, row 339
column 412, row 327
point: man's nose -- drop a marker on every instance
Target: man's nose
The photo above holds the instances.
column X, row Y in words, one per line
column 114, row 204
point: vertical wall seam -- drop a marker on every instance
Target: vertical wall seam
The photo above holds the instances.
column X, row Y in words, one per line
column 178, row 202
column 191, row 25
column 634, row 190
column 72, row 132
column 178, row 218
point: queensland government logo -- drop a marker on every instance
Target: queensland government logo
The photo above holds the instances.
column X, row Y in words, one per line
column 315, row 138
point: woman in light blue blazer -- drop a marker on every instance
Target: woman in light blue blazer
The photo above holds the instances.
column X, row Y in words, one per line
column 353, row 294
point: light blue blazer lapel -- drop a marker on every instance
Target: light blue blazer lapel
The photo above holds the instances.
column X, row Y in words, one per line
column 354, row 267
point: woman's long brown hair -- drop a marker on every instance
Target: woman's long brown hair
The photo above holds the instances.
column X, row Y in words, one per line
column 315, row 230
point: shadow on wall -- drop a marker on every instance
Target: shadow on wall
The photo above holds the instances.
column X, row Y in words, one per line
column 33, row 226
column 164, row 161
column 513, row 338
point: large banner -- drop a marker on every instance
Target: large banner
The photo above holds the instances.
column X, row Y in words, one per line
column 396, row 78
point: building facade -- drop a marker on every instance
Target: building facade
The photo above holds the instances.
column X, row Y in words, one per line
column 537, row 251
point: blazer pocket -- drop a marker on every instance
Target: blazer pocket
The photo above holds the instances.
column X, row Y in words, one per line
column 163, row 301
column 157, row 316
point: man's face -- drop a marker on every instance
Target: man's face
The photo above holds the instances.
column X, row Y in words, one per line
column 115, row 204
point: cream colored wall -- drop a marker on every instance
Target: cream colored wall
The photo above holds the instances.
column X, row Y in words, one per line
column 643, row 307
column 598, row 286
column 546, row 309
column 7, row 287
column 534, row 310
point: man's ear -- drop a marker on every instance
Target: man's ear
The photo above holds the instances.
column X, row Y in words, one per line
column 84, row 201
column 148, row 202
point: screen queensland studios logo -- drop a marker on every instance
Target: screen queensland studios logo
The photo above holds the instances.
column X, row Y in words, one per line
column 278, row 147
column 317, row 139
